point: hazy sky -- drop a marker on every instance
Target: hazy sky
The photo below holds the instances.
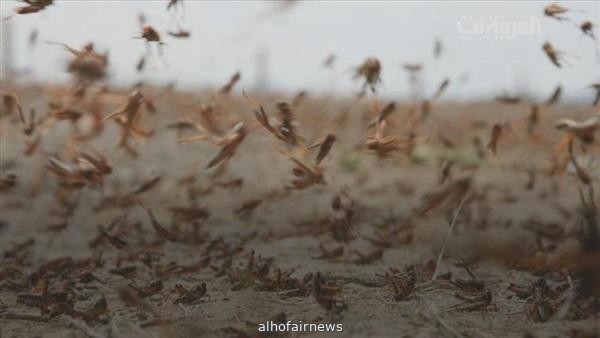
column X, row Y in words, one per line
column 227, row 36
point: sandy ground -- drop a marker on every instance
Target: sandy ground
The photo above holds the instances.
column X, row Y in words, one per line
column 384, row 195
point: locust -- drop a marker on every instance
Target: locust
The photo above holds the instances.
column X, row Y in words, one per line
column 87, row 65
column 174, row 4
column 370, row 70
column 446, row 171
column 151, row 35
column 340, row 223
column 554, row 11
column 451, row 191
column 508, row 99
column 412, row 68
column 12, row 105
column 146, row 185
column 285, row 129
column 542, row 301
column 128, row 117
column 115, row 240
column 180, row 34
column 442, row 87
column 33, row 38
column 141, row 64
column 235, row 78
column 229, row 143
column 437, row 49
column 301, row 96
column 552, row 54
column 533, row 119
column 306, row 176
column 183, row 125
column 33, row 6
column 159, row 229
column 584, row 130
column 248, row 206
column 555, row 97
column 207, row 114
column 387, row 110
column 8, row 182
column 189, row 297
column 587, row 28
column 324, row 147
column 402, row 284
column 328, row 295
column 329, row 61
column 145, row 291
column 496, row 132
column 86, row 171
column 380, row 144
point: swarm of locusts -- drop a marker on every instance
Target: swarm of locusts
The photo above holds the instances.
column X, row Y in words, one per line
column 130, row 210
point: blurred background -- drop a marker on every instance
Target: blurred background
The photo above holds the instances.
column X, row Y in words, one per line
column 487, row 48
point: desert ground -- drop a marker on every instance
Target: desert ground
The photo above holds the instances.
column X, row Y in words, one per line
column 373, row 227
column 158, row 211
